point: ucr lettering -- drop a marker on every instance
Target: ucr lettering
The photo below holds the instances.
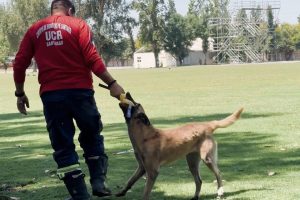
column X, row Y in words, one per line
column 53, row 35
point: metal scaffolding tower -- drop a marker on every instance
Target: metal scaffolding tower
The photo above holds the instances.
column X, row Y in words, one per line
column 242, row 37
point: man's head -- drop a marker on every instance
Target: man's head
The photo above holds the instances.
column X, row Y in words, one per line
column 62, row 6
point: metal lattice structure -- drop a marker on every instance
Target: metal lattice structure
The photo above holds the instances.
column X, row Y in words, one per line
column 242, row 37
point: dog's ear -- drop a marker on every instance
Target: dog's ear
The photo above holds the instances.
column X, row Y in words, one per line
column 143, row 118
column 128, row 96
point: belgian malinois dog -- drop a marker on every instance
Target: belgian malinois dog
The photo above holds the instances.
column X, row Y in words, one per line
column 154, row 147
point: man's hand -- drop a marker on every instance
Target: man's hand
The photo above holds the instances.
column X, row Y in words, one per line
column 116, row 90
column 21, row 102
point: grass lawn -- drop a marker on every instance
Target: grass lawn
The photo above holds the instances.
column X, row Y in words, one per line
column 266, row 139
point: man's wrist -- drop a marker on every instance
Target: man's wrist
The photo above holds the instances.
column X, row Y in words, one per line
column 111, row 83
column 19, row 94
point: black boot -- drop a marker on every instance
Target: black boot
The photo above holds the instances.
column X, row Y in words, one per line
column 75, row 184
column 98, row 168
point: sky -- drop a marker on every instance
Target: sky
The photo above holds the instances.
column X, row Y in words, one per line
column 289, row 11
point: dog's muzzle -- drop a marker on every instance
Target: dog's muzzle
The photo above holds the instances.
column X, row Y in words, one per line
column 123, row 99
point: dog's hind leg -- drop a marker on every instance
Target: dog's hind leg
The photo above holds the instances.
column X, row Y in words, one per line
column 209, row 157
column 139, row 172
column 212, row 165
column 193, row 160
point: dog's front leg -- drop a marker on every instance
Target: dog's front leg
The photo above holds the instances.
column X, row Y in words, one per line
column 139, row 172
column 152, row 173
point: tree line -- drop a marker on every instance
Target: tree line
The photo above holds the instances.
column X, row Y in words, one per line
column 158, row 26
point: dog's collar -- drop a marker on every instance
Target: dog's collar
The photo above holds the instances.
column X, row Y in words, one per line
column 130, row 110
column 128, row 113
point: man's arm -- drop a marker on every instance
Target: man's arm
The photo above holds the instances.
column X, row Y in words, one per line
column 19, row 88
column 22, row 61
column 94, row 61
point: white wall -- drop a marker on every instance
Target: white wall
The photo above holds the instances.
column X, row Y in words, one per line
column 197, row 58
column 147, row 60
column 166, row 59
column 144, row 60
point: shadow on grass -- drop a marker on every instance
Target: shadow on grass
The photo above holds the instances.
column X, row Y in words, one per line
column 163, row 196
column 241, row 155
column 199, row 118
column 29, row 122
column 16, row 116
column 204, row 196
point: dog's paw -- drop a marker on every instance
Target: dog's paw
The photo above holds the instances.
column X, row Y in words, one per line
column 220, row 192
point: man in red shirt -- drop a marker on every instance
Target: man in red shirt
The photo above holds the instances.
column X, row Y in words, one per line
column 66, row 57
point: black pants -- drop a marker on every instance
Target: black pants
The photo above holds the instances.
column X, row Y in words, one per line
column 60, row 109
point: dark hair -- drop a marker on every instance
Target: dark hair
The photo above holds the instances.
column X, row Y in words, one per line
column 65, row 3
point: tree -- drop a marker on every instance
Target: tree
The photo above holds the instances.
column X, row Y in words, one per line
column 151, row 19
column 216, row 7
column 299, row 19
column 219, row 8
column 271, row 33
column 205, row 34
column 19, row 16
column 12, row 29
column 200, row 11
column 117, row 23
column 31, row 10
column 4, row 48
column 4, row 45
column 109, row 20
column 284, row 39
column 128, row 24
column 194, row 17
column 196, row 6
column 296, row 36
column 177, row 37
column 101, row 15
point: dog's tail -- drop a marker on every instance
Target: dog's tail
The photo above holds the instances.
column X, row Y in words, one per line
column 228, row 120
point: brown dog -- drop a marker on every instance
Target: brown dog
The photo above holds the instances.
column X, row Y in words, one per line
column 154, row 147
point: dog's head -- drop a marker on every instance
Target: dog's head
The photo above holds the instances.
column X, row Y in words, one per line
column 134, row 112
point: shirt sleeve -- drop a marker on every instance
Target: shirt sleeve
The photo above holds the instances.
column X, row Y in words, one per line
column 91, row 56
column 23, row 58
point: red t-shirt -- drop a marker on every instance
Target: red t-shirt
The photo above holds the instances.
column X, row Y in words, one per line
column 64, row 52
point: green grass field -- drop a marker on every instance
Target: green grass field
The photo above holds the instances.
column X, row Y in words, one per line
column 266, row 139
